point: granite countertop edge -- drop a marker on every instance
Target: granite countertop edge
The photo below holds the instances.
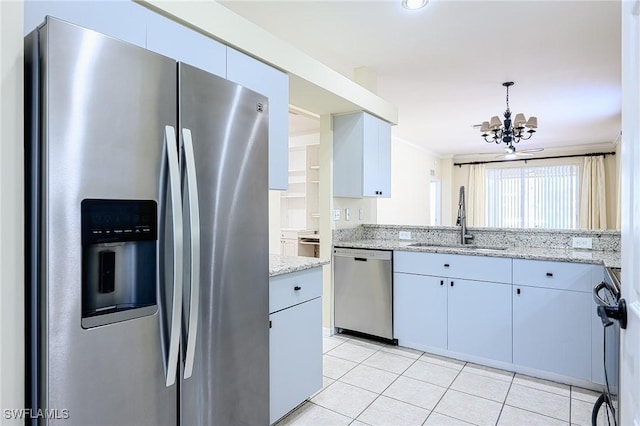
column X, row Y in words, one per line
column 607, row 258
column 279, row 265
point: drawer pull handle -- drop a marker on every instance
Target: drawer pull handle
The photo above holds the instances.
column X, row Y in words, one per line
column 296, row 288
column 446, row 265
column 549, row 274
column 360, row 259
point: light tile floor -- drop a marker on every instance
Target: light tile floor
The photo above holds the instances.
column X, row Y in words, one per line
column 369, row 383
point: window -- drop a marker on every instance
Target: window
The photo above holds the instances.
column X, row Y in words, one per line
column 533, row 197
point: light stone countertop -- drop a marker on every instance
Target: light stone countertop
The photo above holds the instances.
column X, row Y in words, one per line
column 279, row 265
column 600, row 257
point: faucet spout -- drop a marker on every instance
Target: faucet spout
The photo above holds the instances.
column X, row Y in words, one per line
column 462, row 219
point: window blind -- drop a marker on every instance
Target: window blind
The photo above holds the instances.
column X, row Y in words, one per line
column 533, row 197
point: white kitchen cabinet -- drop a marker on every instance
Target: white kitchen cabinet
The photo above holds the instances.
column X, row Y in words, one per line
column 460, row 315
column 479, row 319
column 552, row 330
column 295, row 339
column 361, row 156
column 124, row 20
column 420, row 311
column 183, row 44
column 289, row 243
column 553, row 317
column 274, row 84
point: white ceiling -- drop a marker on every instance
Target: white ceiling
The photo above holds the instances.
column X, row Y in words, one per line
column 443, row 66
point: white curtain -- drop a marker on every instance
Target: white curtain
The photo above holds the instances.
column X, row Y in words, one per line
column 593, row 206
column 477, row 195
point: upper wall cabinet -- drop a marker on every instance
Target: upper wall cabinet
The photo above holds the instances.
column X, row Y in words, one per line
column 274, row 84
column 361, row 156
column 176, row 41
column 124, row 20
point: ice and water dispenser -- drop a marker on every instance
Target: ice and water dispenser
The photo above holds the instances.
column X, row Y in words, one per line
column 119, row 266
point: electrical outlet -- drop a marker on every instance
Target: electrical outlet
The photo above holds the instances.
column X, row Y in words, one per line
column 404, row 235
column 347, row 214
column 583, row 243
column 360, row 214
column 336, row 214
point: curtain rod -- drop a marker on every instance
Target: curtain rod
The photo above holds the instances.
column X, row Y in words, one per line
column 591, row 154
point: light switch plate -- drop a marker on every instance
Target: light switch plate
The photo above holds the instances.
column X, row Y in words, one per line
column 404, row 235
column 347, row 213
column 336, row 214
column 583, row 243
column 361, row 214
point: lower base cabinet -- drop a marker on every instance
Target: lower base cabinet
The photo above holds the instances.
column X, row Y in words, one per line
column 539, row 318
column 480, row 319
column 295, row 339
column 552, row 330
column 415, row 325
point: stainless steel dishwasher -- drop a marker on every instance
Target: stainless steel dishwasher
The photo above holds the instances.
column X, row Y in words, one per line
column 363, row 292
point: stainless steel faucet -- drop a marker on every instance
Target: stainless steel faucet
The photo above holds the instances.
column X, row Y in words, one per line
column 462, row 219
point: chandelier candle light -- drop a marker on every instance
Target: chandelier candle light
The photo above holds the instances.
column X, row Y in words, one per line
column 509, row 132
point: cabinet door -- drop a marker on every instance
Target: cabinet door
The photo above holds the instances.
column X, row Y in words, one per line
column 479, row 319
column 295, row 351
column 274, row 84
column 176, row 41
column 361, row 156
column 552, row 330
column 384, row 159
column 124, row 20
column 420, row 311
column 371, row 157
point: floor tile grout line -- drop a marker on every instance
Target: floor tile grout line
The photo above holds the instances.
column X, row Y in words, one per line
column 505, row 400
column 538, row 413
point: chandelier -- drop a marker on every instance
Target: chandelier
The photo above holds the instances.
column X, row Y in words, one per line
column 508, row 132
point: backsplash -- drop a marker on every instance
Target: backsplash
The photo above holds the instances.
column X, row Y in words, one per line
column 503, row 237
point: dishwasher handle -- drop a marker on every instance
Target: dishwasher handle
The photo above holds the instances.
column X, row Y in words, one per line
column 360, row 259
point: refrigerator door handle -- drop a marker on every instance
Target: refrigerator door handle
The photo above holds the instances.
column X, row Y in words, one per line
column 194, row 217
column 176, row 209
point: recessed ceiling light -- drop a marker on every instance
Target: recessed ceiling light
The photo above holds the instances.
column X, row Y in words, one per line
column 414, row 4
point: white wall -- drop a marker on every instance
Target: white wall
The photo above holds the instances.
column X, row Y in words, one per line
column 11, row 209
column 411, row 168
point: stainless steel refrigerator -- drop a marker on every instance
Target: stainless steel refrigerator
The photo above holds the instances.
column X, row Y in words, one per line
column 147, row 238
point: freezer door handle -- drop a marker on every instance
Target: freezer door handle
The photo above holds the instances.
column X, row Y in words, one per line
column 194, row 218
column 170, row 144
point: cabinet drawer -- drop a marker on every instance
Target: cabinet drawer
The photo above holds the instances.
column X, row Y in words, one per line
column 479, row 268
column 560, row 275
column 297, row 287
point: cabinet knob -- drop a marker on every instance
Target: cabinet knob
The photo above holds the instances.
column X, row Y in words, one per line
column 451, row 283
column 549, row 274
column 441, row 282
column 518, row 291
column 296, row 288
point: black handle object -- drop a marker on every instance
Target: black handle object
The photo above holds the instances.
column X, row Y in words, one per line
column 360, row 259
column 518, row 291
column 296, row 288
column 615, row 312
column 441, row 282
column 451, row 283
column 446, row 265
column 549, row 274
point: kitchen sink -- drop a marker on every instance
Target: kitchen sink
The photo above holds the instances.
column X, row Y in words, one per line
column 459, row 246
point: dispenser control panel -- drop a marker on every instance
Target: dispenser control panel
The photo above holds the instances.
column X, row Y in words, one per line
column 106, row 221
